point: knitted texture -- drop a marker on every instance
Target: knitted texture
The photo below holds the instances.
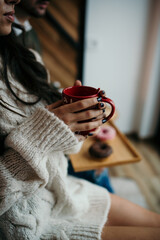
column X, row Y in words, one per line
column 41, row 133
column 38, row 200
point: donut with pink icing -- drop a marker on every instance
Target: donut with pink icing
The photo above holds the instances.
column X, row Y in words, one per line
column 106, row 133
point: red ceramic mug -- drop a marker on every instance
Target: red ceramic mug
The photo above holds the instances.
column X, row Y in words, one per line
column 76, row 93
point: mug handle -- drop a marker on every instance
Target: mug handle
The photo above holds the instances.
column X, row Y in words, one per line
column 109, row 101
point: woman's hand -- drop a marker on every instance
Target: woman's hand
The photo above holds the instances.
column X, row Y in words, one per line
column 74, row 114
column 95, row 132
column 102, row 93
column 71, row 115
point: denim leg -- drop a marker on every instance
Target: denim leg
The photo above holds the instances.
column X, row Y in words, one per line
column 101, row 179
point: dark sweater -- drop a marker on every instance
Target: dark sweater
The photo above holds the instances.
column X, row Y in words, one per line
column 30, row 40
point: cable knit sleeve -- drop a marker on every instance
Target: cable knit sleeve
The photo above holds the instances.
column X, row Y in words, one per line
column 17, row 179
column 23, row 165
column 39, row 134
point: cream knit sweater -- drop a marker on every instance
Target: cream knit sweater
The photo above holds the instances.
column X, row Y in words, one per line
column 38, row 200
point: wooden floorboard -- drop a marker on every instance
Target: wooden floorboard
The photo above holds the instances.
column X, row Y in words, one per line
column 146, row 172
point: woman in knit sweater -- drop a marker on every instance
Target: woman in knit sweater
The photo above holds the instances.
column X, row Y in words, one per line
column 37, row 199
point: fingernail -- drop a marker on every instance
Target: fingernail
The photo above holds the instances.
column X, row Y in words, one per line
column 102, row 104
column 99, row 99
column 103, row 110
column 90, row 134
column 104, row 120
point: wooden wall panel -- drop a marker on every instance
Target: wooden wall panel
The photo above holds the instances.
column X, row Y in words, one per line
column 59, row 56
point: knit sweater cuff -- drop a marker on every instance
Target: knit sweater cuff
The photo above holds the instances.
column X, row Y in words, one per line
column 41, row 133
column 90, row 232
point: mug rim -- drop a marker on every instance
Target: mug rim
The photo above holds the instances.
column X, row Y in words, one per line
column 80, row 96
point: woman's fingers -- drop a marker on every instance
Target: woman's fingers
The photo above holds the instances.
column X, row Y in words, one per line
column 94, row 132
column 77, row 83
column 82, row 104
column 85, row 126
column 102, row 93
column 91, row 115
column 54, row 105
column 60, row 102
column 82, row 115
column 103, row 115
column 78, row 106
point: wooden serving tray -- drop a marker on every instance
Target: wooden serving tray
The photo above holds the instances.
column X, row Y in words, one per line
column 123, row 152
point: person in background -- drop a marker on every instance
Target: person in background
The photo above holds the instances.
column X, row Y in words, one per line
column 37, row 8
column 25, row 10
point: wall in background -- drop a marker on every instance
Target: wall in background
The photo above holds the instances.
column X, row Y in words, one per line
column 115, row 45
column 148, row 101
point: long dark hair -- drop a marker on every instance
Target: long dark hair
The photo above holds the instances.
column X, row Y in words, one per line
column 23, row 66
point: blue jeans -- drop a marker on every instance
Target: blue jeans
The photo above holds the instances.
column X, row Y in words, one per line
column 102, row 179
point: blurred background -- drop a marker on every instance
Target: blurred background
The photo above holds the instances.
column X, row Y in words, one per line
column 114, row 45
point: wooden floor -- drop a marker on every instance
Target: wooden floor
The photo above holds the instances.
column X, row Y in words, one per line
column 146, row 172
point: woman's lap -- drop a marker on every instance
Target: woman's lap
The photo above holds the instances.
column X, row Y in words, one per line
column 130, row 221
